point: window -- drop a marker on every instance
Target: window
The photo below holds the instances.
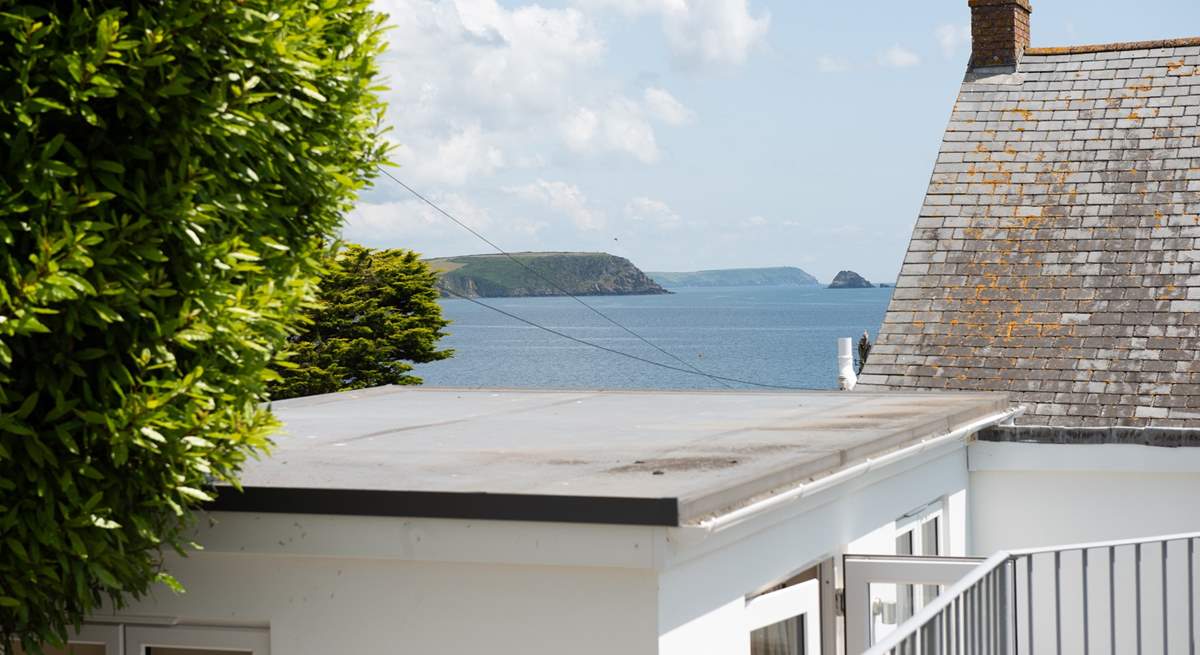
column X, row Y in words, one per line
column 784, row 618
column 159, row 650
column 783, row 638
column 930, row 533
column 918, row 533
column 904, row 592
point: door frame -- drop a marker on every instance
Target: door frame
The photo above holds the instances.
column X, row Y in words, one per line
column 861, row 571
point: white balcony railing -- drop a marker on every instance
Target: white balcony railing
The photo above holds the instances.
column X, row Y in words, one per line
column 1130, row 596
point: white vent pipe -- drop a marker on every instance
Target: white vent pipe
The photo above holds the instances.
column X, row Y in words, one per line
column 846, row 377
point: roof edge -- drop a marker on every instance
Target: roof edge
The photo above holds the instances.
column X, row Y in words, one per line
column 1113, row 47
column 1095, row 436
column 448, row 505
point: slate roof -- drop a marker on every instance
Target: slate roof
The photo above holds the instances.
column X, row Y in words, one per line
column 1057, row 254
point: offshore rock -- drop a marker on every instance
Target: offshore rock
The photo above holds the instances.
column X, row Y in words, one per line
column 850, row 280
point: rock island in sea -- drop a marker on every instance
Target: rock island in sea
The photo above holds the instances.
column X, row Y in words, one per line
column 541, row 274
column 850, row 280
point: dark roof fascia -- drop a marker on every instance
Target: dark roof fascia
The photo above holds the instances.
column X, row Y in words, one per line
column 1114, row 47
column 1043, row 434
column 449, row 505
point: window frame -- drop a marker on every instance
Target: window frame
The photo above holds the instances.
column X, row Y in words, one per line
column 913, row 525
column 234, row 639
column 99, row 634
column 916, row 519
column 801, row 600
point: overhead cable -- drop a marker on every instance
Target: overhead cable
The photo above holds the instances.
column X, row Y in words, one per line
column 551, row 282
column 592, row 344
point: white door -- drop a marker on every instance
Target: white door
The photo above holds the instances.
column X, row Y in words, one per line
column 180, row 640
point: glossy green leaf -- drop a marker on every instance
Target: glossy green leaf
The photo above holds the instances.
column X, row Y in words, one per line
column 175, row 171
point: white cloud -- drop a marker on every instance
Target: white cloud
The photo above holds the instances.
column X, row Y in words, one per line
column 952, row 37
column 622, row 125
column 409, row 221
column 704, row 32
column 831, row 64
column 479, row 57
column 453, row 161
column 666, row 108
column 637, row 7
column 561, row 197
column 753, row 222
column 400, row 222
column 579, row 129
column 715, row 31
column 619, row 126
column 473, row 85
column 626, row 130
column 898, row 56
column 653, row 212
column 844, row 230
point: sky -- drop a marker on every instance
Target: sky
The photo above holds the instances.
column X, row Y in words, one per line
column 686, row 134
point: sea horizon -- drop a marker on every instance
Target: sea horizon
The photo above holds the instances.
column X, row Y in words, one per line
column 776, row 336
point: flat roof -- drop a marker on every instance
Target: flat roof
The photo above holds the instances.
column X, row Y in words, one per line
column 633, row 457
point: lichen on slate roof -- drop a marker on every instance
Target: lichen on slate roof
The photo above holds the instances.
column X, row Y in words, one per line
column 1057, row 255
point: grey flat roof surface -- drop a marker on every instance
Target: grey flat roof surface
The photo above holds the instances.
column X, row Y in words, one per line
column 687, row 453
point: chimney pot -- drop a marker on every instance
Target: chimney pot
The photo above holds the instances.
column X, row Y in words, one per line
column 999, row 31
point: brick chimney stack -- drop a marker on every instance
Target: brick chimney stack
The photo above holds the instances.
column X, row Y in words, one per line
column 999, row 31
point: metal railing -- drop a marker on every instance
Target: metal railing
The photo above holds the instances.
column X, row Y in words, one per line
column 1129, row 596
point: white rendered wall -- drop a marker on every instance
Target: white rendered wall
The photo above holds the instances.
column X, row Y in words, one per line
column 721, row 630
column 345, row 602
column 1034, row 495
column 1031, row 495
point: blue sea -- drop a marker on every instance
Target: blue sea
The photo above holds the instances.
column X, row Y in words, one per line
column 784, row 336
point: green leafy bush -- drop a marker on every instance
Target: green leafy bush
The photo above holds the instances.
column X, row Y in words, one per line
column 170, row 173
column 377, row 311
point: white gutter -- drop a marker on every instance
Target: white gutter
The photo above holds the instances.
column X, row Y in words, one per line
column 870, row 464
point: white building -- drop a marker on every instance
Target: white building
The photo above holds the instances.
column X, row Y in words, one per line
column 1054, row 264
column 409, row 520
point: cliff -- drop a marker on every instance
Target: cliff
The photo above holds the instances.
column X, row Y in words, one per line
column 580, row 273
column 850, row 280
column 738, row 277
